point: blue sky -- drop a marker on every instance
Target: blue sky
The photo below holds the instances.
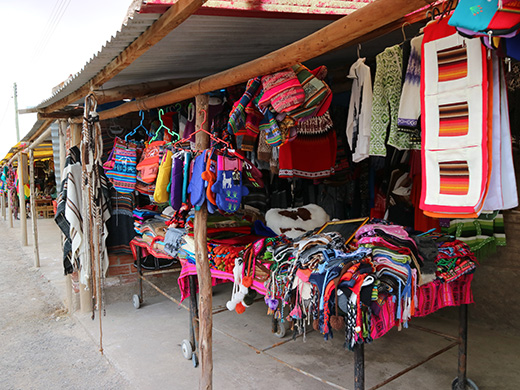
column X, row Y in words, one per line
column 37, row 60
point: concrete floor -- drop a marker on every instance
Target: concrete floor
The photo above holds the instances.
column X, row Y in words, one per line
column 144, row 344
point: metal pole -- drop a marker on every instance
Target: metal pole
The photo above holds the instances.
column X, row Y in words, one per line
column 21, row 197
column 359, row 367
column 16, row 112
column 34, row 216
column 463, row 347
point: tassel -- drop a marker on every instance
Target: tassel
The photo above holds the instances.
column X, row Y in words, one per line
column 316, row 324
column 240, row 308
column 247, row 281
column 337, row 322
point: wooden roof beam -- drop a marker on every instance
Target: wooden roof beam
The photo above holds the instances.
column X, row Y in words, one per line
column 138, row 90
column 343, row 32
column 176, row 14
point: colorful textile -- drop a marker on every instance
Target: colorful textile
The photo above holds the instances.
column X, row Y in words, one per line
column 309, row 157
column 237, row 117
column 316, row 93
column 385, row 103
column 482, row 234
column 454, row 122
column 122, row 173
column 410, row 104
column 282, row 90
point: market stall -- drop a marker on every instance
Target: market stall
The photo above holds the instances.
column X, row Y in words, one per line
column 237, row 184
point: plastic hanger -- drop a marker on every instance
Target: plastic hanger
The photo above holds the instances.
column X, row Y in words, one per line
column 163, row 126
column 211, row 136
column 358, row 50
column 139, row 126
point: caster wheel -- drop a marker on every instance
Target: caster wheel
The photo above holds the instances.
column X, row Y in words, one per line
column 187, row 349
column 136, row 300
column 280, row 329
column 470, row 385
column 195, row 360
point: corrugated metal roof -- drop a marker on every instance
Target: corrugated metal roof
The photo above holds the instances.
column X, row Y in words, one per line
column 223, row 40
column 134, row 27
column 204, row 45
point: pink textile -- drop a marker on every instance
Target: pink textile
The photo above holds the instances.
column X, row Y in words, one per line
column 430, row 298
column 217, row 277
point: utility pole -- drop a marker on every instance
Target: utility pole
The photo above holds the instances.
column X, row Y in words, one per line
column 16, row 113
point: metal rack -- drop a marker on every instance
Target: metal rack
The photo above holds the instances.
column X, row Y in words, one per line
column 461, row 382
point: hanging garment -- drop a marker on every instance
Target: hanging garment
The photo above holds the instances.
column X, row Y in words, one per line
column 410, row 105
column 360, row 110
column 385, row 102
column 502, row 193
column 454, row 102
column 72, row 169
column 310, row 156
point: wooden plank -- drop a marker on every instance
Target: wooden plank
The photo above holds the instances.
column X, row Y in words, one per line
column 201, row 258
column 340, row 33
column 171, row 19
column 34, row 215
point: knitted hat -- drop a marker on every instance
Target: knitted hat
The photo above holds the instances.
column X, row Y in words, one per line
column 283, row 90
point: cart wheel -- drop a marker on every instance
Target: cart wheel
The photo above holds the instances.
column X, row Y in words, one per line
column 136, row 300
column 280, row 329
column 195, row 360
column 470, row 385
column 187, row 349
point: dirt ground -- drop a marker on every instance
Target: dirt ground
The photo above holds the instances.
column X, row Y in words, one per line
column 41, row 347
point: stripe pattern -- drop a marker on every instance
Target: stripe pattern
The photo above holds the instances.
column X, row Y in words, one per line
column 453, row 63
column 453, row 119
column 454, row 177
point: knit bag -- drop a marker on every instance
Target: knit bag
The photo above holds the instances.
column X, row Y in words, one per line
column 496, row 17
column 148, row 167
column 228, row 187
column 177, row 183
column 282, row 90
column 160, row 194
column 121, row 166
column 316, row 93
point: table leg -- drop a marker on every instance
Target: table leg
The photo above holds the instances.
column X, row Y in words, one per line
column 359, row 367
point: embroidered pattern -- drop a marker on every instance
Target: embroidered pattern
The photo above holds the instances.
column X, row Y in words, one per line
column 385, row 102
column 453, row 63
column 453, row 119
column 454, row 177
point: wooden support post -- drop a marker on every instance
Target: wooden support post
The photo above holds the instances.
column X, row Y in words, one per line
column 22, row 165
column 85, row 296
column 3, row 205
column 10, row 208
column 203, row 271
column 34, row 216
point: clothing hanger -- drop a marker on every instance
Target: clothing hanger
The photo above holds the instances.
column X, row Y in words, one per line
column 404, row 33
column 139, row 126
column 358, row 50
column 211, row 136
column 163, row 126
